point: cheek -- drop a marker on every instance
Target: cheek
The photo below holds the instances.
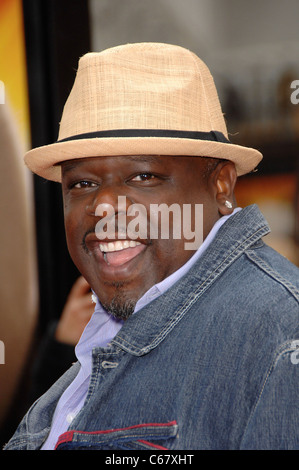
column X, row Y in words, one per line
column 167, row 256
column 68, row 222
column 72, row 240
column 74, row 229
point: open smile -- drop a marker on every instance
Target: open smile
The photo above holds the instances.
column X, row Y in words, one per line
column 119, row 252
column 114, row 256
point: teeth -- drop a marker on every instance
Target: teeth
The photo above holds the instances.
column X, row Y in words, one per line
column 118, row 245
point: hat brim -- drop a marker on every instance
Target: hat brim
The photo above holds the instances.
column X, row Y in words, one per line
column 45, row 161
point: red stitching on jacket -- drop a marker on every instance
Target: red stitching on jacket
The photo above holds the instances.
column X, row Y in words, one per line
column 68, row 436
column 155, row 446
column 65, row 437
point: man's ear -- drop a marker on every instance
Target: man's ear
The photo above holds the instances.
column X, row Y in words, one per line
column 224, row 179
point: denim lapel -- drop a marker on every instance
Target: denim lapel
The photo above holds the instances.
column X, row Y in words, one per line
column 149, row 326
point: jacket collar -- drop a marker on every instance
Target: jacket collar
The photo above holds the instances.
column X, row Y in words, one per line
column 148, row 327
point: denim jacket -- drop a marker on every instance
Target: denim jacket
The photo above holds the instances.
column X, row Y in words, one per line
column 211, row 364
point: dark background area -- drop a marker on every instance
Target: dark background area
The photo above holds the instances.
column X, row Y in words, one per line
column 57, row 33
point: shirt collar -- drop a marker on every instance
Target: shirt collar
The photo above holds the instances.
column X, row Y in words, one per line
column 169, row 281
column 143, row 332
column 102, row 326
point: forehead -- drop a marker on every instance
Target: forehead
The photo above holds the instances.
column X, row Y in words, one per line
column 76, row 163
column 168, row 163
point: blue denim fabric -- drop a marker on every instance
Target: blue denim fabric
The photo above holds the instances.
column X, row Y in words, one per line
column 208, row 365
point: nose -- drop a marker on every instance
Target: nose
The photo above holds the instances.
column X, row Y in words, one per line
column 108, row 201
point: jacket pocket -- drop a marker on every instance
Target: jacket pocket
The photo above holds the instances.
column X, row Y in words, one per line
column 138, row 437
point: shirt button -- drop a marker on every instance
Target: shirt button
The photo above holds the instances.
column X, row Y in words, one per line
column 70, row 417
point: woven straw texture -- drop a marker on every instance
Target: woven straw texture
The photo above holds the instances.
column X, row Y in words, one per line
column 140, row 86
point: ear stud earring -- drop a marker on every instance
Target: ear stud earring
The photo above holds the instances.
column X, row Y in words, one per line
column 228, row 204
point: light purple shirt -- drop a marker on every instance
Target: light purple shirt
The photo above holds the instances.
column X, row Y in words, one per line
column 100, row 330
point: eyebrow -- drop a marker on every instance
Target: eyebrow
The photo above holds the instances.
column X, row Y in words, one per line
column 68, row 166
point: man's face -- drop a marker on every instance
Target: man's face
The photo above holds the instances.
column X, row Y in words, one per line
column 121, row 273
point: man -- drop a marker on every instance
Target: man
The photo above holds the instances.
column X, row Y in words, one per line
column 188, row 348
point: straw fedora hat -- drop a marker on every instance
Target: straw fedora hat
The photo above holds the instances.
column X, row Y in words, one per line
column 141, row 99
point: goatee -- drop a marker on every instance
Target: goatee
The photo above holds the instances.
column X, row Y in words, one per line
column 120, row 307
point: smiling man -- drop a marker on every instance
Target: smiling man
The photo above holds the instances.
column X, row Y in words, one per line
column 187, row 348
column 121, row 273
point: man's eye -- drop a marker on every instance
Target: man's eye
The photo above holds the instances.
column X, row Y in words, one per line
column 143, row 177
column 83, row 184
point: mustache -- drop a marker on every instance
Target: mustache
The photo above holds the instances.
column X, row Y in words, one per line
column 83, row 244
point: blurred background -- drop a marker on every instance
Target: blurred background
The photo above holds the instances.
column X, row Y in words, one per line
column 252, row 50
